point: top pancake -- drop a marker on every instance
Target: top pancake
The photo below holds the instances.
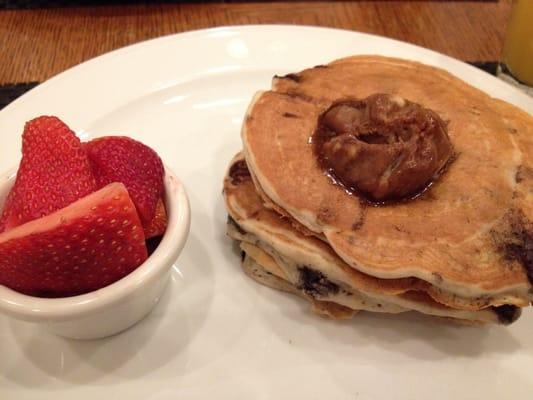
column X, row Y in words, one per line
column 458, row 234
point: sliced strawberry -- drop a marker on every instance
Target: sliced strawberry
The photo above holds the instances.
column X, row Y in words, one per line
column 83, row 247
column 137, row 166
column 158, row 224
column 54, row 172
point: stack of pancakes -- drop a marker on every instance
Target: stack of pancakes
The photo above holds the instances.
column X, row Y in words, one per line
column 462, row 249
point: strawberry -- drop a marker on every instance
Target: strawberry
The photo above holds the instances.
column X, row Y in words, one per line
column 54, row 172
column 158, row 225
column 137, row 166
column 83, row 247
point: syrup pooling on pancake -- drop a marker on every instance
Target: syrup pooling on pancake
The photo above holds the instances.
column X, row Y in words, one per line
column 383, row 147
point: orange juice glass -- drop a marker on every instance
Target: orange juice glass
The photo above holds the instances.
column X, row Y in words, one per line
column 518, row 48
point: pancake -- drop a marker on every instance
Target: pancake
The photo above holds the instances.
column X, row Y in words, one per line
column 469, row 235
column 261, row 274
column 314, row 285
column 305, row 260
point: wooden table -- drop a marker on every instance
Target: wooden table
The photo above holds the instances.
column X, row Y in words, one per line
column 37, row 44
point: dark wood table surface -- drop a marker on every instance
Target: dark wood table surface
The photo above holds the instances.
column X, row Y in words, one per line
column 36, row 44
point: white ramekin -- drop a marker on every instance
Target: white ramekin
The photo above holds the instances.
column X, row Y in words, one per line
column 120, row 305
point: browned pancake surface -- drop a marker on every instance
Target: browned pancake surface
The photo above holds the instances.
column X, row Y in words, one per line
column 454, row 235
column 245, row 205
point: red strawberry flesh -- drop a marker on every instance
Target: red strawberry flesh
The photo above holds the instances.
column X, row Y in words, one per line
column 85, row 246
column 53, row 173
column 137, row 166
column 158, row 225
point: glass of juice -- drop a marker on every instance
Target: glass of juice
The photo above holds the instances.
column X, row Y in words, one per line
column 518, row 47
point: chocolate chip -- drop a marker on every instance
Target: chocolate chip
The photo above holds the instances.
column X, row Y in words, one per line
column 523, row 173
column 519, row 176
column 358, row 224
column 290, row 115
column 314, row 283
column 325, row 215
column 515, row 241
column 239, row 172
column 507, row 313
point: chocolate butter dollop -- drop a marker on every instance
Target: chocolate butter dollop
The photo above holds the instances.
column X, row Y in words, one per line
column 383, row 147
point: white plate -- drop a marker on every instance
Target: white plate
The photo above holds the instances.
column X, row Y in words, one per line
column 216, row 334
